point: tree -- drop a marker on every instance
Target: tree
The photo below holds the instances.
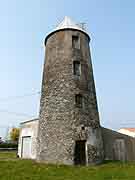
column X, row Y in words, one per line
column 1, row 141
column 14, row 134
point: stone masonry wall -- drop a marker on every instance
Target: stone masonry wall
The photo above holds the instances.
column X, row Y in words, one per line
column 61, row 123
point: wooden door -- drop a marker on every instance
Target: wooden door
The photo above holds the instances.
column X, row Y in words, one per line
column 80, row 153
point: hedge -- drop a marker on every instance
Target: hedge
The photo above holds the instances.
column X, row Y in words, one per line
column 9, row 145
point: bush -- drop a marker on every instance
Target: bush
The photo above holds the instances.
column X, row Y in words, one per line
column 8, row 145
column 14, row 134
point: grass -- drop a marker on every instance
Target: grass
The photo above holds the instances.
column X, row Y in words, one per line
column 5, row 155
column 15, row 169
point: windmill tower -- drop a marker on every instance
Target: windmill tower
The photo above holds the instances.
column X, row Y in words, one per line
column 69, row 129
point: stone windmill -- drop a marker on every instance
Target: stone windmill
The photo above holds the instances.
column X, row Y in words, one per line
column 69, row 129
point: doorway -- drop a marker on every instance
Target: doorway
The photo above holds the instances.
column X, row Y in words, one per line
column 26, row 147
column 119, row 150
column 80, row 153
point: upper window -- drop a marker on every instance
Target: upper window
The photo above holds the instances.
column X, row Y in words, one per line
column 78, row 100
column 76, row 68
column 76, row 42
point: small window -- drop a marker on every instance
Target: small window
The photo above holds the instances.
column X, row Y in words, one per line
column 77, row 70
column 83, row 128
column 75, row 42
column 78, row 100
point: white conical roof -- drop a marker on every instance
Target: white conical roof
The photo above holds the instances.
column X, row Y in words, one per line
column 68, row 23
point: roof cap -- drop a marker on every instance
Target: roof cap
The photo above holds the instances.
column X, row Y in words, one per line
column 68, row 23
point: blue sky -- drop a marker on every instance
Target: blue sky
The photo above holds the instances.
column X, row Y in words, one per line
column 24, row 25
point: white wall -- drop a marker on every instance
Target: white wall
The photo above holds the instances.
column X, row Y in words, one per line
column 29, row 129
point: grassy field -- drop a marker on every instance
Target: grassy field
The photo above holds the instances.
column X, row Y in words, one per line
column 12, row 168
column 5, row 155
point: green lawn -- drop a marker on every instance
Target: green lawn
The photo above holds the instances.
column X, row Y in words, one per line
column 7, row 155
column 15, row 169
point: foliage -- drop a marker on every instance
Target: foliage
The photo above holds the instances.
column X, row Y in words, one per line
column 1, row 141
column 14, row 134
column 8, row 145
column 17, row 169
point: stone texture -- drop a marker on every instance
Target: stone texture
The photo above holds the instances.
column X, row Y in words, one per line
column 60, row 121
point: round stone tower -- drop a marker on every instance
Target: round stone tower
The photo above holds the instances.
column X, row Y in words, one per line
column 69, row 128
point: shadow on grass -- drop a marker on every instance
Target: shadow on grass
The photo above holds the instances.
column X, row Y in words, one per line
column 111, row 161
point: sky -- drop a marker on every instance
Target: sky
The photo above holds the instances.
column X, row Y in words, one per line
column 23, row 28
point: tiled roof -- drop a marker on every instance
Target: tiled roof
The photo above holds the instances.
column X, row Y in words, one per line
column 129, row 129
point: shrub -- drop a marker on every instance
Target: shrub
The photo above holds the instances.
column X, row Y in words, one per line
column 8, row 145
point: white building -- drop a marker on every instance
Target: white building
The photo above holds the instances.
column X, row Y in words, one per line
column 127, row 131
column 28, row 139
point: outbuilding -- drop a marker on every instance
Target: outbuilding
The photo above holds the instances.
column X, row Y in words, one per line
column 28, row 139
